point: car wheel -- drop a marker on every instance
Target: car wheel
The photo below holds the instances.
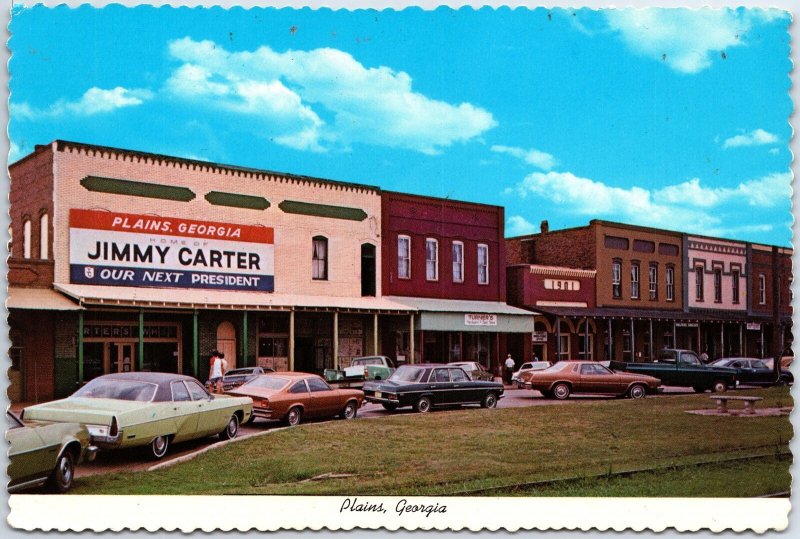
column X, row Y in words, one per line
column 561, row 391
column 294, row 416
column 378, row 378
column 720, row 386
column 547, row 394
column 60, row 480
column 390, row 407
column 350, row 410
column 159, row 447
column 489, row 401
column 637, row 391
column 231, row 429
column 423, row 405
column 698, row 389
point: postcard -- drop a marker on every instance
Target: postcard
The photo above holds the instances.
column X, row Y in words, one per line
column 454, row 268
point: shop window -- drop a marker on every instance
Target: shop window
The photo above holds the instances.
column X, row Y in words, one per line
column 717, row 285
column 403, row 257
column 616, row 279
column 653, row 282
column 585, row 346
column 319, row 258
column 458, row 262
column 635, row 280
column 762, row 289
column 483, row 264
column 670, row 283
column 698, row 283
column 44, row 236
column 26, row 239
column 735, row 286
column 563, row 349
column 431, row 259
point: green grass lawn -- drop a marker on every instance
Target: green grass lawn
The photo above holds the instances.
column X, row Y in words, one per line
column 447, row 452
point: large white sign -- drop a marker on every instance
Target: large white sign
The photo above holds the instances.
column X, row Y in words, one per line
column 118, row 249
column 480, row 319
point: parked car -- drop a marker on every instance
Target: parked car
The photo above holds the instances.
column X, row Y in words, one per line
column 294, row 396
column 361, row 369
column 754, row 371
column 149, row 409
column 45, row 453
column 682, row 368
column 475, row 370
column 567, row 377
column 427, row 385
column 529, row 366
column 236, row 377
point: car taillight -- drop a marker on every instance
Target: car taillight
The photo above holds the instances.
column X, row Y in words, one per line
column 264, row 403
column 114, row 430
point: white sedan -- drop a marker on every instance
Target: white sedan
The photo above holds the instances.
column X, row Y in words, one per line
column 529, row 366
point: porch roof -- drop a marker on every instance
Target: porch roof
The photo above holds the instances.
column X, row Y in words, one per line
column 43, row 299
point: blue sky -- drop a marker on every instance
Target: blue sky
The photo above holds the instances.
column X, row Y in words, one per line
column 669, row 118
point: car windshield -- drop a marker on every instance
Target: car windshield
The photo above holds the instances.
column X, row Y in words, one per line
column 238, row 372
column 560, row 366
column 126, row 390
column 721, row 362
column 267, row 382
column 367, row 361
column 407, row 374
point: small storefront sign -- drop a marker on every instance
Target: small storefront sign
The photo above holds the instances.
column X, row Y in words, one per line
column 754, row 326
column 562, row 284
column 480, row 319
column 539, row 336
column 120, row 249
column 685, row 324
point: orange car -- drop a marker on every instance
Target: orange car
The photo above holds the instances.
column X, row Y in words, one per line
column 293, row 396
column 566, row 377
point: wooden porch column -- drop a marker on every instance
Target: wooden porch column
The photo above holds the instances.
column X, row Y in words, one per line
column 411, row 338
column 558, row 338
column 291, row 340
column 651, row 340
column 633, row 343
column 721, row 339
column 141, row 340
column 244, row 338
column 335, row 339
column 375, row 347
column 610, row 341
column 195, row 345
column 80, row 347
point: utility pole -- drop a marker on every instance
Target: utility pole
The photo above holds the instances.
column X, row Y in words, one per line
column 777, row 328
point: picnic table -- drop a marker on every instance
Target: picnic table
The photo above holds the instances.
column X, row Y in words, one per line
column 749, row 403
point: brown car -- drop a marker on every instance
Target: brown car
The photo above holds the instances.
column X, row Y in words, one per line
column 567, row 377
column 292, row 396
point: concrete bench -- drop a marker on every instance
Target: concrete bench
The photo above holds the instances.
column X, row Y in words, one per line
column 749, row 403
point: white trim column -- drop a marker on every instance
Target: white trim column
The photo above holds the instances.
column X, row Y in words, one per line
column 411, row 338
column 375, row 347
column 335, row 339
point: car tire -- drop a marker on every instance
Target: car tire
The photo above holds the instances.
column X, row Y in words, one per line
column 561, row 391
column 350, row 411
column 637, row 391
column 423, row 405
column 159, row 447
column 547, row 394
column 251, row 419
column 489, row 401
column 720, row 386
column 294, row 417
column 231, row 430
column 390, row 407
column 60, row 481
column 698, row 389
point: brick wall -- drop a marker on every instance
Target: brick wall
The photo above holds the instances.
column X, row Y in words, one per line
column 66, row 353
column 569, row 248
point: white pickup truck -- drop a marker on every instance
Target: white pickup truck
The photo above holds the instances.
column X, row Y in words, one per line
column 360, row 370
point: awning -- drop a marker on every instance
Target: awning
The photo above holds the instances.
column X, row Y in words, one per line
column 44, row 299
column 653, row 314
column 468, row 316
column 224, row 300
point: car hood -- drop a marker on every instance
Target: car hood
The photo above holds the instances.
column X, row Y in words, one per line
column 82, row 410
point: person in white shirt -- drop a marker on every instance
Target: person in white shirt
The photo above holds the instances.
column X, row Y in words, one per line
column 216, row 371
column 510, row 364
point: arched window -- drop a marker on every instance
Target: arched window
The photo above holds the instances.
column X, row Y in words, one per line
column 26, row 239
column 44, row 236
column 319, row 258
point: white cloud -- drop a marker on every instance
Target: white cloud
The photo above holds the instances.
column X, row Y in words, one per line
column 774, row 151
column 757, row 137
column 311, row 99
column 537, row 158
column 686, row 206
column 686, row 39
column 93, row 101
column 516, row 225
column 14, row 152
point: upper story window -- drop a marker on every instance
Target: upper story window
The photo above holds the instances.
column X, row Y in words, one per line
column 616, row 279
column 762, row 288
column 643, row 246
column 44, row 236
column 319, row 258
column 653, row 281
column 635, row 280
column 614, row 242
column 735, row 285
column 26, row 238
column 431, row 259
column 670, row 283
column 698, row 283
column 668, row 249
column 458, row 262
column 483, row 264
column 403, row 257
column 717, row 285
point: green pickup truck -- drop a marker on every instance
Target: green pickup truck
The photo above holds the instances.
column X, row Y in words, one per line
column 361, row 369
column 684, row 369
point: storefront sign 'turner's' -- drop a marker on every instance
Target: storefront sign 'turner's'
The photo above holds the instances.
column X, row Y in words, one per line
column 121, row 249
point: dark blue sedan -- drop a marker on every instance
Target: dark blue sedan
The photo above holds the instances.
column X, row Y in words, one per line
column 427, row 385
column 752, row 371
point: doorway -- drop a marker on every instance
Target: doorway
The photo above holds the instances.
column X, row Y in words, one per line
column 123, row 357
column 226, row 343
column 367, row 269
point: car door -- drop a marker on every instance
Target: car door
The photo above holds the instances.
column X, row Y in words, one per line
column 598, row 379
column 183, row 411
column 210, row 418
column 441, row 387
column 324, row 400
column 29, row 457
column 761, row 373
column 464, row 390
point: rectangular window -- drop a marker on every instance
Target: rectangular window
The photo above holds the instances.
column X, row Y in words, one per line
column 762, row 289
column 642, row 246
column 319, row 258
column 564, row 348
column 670, row 284
column 483, row 264
column 458, row 262
column 698, row 283
column 634, row 281
column 735, row 285
column 668, row 249
column 585, row 347
column 653, row 281
column 403, row 257
column 616, row 279
column 614, row 242
column 431, row 259
column 717, row 285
